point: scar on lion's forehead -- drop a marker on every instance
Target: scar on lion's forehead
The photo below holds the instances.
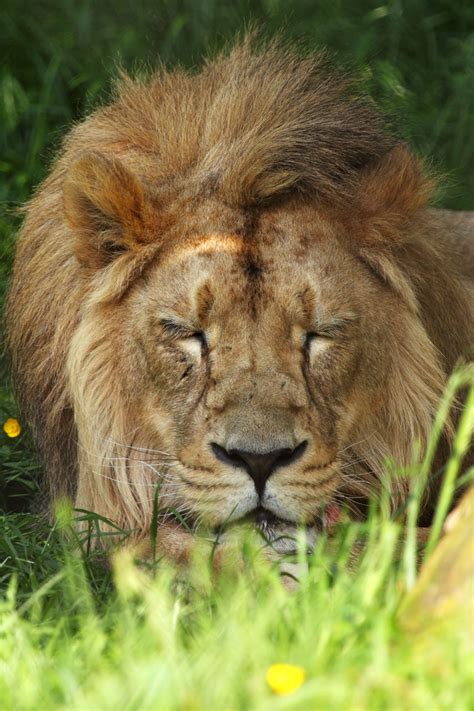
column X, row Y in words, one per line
column 212, row 243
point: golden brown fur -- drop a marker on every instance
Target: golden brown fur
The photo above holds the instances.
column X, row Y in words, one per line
column 253, row 202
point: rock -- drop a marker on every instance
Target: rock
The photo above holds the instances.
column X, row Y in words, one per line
column 444, row 592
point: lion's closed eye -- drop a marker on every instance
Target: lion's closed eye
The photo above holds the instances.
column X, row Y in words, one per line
column 193, row 341
column 326, row 334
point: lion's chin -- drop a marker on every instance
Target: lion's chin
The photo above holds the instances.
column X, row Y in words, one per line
column 286, row 536
column 283, row 536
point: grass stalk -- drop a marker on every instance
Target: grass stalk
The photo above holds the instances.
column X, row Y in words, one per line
column 461, row 444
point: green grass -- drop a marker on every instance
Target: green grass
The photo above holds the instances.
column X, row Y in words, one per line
column 72, row 633
column 153, row 642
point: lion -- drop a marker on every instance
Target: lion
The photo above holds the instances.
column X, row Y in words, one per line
column 231, row 288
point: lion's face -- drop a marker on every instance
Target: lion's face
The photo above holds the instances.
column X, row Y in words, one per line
column 253, row 365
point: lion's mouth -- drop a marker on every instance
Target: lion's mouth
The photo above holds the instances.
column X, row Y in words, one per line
column 277, row 528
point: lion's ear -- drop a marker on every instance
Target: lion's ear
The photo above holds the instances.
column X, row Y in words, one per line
column 388, row 202
column 389, row 195
column 104, row 205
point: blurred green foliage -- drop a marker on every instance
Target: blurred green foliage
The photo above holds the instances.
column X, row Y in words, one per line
column 416, row 58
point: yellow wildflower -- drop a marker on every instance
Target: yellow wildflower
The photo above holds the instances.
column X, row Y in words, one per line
column 12, row 427
column 285, row 678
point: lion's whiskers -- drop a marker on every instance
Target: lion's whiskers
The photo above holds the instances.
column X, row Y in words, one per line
column 139, row 449
column 133, row 468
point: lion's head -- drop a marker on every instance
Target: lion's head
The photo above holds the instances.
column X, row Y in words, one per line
column 229, row 297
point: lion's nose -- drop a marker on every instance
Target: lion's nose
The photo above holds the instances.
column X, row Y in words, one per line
column 260, row 465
